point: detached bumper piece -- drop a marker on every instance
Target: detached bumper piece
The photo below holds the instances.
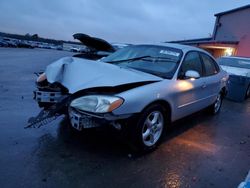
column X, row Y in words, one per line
column 48, row 97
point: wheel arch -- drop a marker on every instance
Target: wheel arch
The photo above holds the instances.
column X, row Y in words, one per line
column 224, row 91
column 166, row 105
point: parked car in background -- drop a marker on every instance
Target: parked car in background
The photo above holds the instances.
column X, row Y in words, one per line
column 3, row 43
column 238, row 66
column 59, row 47
column 23, row 44
column 139, row 89
column 118, row 46
column 10, row 42
column 73, row 49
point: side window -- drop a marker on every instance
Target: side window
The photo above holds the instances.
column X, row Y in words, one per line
column 209, row 64
column 192, row 61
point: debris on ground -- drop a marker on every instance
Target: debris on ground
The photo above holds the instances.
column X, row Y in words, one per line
column 243, row 142
column 47, row 115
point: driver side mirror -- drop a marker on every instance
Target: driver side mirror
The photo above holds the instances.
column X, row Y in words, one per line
column 192, row 74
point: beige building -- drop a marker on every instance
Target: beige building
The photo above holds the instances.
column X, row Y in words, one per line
column 231, row 35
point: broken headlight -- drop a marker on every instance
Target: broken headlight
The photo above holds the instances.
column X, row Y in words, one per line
column 97, row 103
column 42, row 77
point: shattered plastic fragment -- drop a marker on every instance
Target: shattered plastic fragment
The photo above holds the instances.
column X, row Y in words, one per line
column 43, row 118
column 47, row 115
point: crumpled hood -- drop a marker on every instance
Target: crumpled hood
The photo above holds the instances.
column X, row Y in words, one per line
column 236, row 71
column 77, row 74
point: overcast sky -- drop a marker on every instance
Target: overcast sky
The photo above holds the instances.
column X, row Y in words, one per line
column 131, row 21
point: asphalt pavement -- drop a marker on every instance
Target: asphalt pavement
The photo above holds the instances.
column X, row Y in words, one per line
column 199, row 151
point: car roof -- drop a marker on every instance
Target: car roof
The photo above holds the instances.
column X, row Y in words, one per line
column 182, row 47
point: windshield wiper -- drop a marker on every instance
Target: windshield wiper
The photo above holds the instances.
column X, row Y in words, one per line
column 131, row 59
column 162, row 75
column 139, row 58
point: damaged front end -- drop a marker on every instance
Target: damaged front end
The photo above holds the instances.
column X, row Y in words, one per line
column 70, row 80
column 83, row 120
column 56, row 101
column 79, row 118
column 52, row 98
column 81, row 115
column 49, row 113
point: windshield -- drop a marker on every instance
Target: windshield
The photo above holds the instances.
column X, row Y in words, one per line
column 235, row 62
column 158, row 60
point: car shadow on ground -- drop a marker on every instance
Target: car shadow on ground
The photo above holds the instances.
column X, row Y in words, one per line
column 98, row 150
column 187, row 123
column 107, row 140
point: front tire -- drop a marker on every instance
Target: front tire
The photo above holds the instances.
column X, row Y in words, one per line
column 216, row 106
column 247, row 92
column 149, row 129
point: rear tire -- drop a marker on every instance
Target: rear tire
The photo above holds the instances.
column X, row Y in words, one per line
column 148, row 132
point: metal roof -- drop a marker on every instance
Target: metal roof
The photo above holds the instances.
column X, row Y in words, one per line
column 233, row 10
column 192, row 40
column 203, row 41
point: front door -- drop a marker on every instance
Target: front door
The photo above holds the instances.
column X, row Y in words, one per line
column 190, row 92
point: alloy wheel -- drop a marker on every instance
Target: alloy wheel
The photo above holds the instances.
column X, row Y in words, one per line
column 217, row 104
column 152, row 128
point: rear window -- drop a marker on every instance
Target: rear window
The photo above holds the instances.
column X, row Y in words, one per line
column 210, row 66
column 235, row 62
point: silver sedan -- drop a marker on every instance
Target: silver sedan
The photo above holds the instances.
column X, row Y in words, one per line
column 139, row 89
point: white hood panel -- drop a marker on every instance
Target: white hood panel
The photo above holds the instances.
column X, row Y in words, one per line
column 77, row 74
